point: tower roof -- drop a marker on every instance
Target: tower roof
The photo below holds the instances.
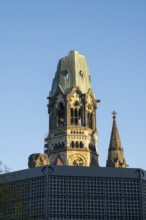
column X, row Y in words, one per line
column 115, row 152
column 72, row 70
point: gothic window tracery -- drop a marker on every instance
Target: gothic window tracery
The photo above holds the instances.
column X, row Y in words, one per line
column 76, row 114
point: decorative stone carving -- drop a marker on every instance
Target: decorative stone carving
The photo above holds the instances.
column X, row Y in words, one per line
column 37, row 160
column 72, row 109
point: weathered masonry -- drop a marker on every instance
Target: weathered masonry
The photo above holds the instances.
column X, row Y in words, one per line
column 72, row 138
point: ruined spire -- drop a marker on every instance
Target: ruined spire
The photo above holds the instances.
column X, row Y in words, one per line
column 115, row 153
column 72, row 136
column 72, row 70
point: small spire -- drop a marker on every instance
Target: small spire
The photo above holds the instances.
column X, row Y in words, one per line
column 115, row 153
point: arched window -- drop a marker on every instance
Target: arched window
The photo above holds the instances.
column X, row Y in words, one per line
column 80, row 117
column 77, row 144
column 61, row 114
column 81, row 144
column 90, row 123
column 73, row 144
column 76, row 114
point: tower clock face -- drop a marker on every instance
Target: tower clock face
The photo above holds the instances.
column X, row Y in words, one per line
column 76, row 160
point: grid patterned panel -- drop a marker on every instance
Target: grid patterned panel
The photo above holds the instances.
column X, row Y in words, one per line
column 57, row 205
column 113, row 187
column 37, row 187
column 27, row 198
column 144, row 197
column 95, row 218
column 132, row 207
column 123, row 218
column 114, row 206
column 131, row 187
column 95, row 206
column 76, row 198
column 59, row 217
column 76, row 186
column 77, row 205
column 75, row 217
column 57, row 186
column 94, row 198
column 93, row 185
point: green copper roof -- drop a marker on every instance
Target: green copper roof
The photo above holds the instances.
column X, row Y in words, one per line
column 72, row 70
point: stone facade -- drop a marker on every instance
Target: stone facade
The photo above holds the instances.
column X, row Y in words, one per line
column 72, row 138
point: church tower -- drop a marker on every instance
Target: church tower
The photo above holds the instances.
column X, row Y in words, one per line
column 72, row 137
column 115, row 152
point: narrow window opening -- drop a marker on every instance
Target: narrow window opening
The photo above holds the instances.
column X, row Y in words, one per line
column 76, row 115
column 80, row 119
column 72, row 116
column 90, row 123
column 77, row 144
column 73, row 144
column 61, row 115
column 76, row 112
column 81, row 144
column 71, row 112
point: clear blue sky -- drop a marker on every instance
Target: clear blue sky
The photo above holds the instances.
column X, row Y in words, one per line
column 34, row 35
